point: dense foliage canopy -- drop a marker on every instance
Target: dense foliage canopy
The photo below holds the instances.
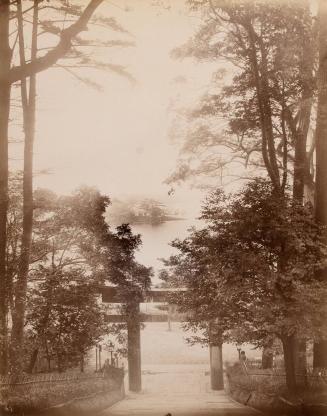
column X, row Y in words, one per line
column 252, row 268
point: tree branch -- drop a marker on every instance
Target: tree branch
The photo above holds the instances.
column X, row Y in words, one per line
column 18, row 72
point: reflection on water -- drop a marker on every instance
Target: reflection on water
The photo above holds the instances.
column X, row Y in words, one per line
column 156, row 239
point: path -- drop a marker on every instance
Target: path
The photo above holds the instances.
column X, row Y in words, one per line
column 182, row 390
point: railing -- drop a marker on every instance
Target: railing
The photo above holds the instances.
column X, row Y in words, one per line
column 47, row 378
column 40, row 391
column 250, row 376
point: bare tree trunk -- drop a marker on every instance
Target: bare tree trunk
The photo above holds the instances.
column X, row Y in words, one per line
column 289, row 362
column 300, row 357
column 48, row 356
column 5, row 87
column 267, row 355
column 59, row 363
column 33, row 360
column 264, row 106
column 28, row 105
column 320, row 349
column 82, row 363
column 300, row 132
column 301, row 164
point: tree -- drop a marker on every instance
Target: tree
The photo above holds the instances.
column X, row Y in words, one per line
column 25, row 71
column 270, row 51
column 28, row 98
column 5, row 61
column 253, row 269
column 72, row 247
column 64, row 318
column 57, row 242
column 320, row 350
column 8, row 76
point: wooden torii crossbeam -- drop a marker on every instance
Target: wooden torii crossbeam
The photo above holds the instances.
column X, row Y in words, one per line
column 111, row 294
column 133, row 320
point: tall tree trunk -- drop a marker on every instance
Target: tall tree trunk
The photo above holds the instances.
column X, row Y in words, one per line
column 289, row 362
column 267, row 355
column 28, row 105
column 300, row 359
column 301, row 165
column 33, row 360
column 82, row 363
column 5, row 87
column 320, row 349
column 262, row 92
column 300, row 131
column 48, row 356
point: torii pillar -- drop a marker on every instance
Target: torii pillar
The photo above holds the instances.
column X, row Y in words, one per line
column 134, row 348
column 216, row 358
column 133, row 319
column 216, row 367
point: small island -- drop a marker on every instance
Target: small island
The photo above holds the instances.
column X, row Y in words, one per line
column 141, row 211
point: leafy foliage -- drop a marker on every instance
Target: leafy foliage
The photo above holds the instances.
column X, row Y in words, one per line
column 74, row 252
column 65, row 317
column 252, row 268
column 260, row 98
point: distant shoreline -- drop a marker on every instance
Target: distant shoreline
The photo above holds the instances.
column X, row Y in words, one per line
column 147, row 221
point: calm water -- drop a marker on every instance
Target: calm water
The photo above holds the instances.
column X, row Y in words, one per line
column 156, row 241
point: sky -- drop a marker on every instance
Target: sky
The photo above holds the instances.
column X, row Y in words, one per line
column 118, row 139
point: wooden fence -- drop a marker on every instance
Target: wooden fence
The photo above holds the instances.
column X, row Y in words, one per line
column 38, row 391
column 275, row 378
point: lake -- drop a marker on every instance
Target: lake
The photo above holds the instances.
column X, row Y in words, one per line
column 156, row 240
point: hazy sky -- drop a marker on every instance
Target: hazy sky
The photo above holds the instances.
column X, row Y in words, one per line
column 117, row 139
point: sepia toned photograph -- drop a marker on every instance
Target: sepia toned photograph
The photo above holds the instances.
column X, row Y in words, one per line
column 163, row 207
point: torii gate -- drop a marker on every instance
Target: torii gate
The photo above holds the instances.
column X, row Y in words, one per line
column 111, row 295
